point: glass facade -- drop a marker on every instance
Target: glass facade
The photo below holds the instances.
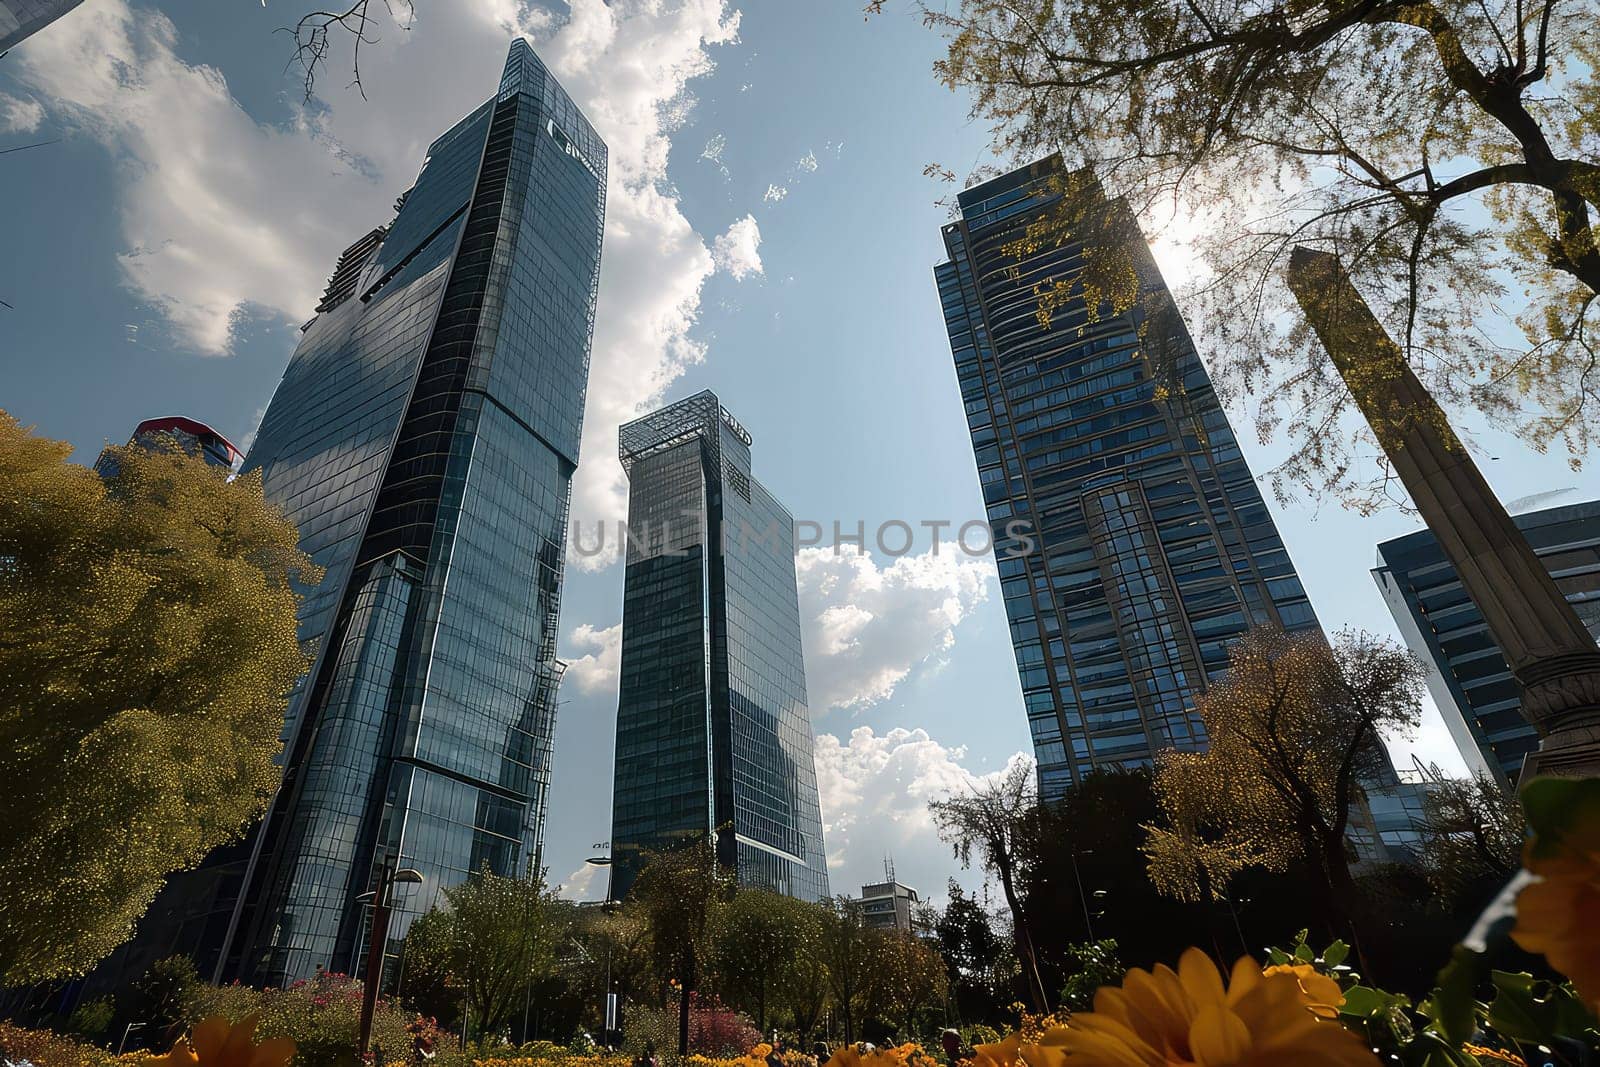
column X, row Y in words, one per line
column 423, row 439
column 713, row 731
column 1150, row 547
column 189, row 435
column 1479, row 699
column 21, row 19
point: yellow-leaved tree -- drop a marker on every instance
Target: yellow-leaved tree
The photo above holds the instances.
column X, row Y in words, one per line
column 147, row 644
column 1294, row 737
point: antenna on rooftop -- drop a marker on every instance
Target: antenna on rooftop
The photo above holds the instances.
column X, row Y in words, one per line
column 888, row 868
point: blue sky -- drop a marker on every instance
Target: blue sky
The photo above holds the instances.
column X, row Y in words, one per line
column 770, row 236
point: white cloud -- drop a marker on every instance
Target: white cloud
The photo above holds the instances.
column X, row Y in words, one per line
column 579, row 885
column 738, row 250
column 774, row 194
column 712, row 153
column 18, row 115
column 806, row 163
column 875, row 791
column 595, row 671
column 223, row 215
column 868, row 627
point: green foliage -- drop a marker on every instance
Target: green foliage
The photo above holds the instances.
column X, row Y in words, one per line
column 1451, row 1027
column 757, row 938
column 322, row 1016
column 92, row 1018
column 490, row 938
column 1557, row 805
column 147, row 641
column 1091, row 966
column 160, row 996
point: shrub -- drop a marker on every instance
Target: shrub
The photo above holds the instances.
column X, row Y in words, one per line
column 321, row 1015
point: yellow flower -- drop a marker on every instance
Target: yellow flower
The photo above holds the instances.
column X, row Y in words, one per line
column 1172, row 1018
column 216, row 1043
column 1556, row 914
column 1322, row 992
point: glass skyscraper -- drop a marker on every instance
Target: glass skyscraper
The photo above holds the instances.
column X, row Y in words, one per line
column 21, row 19
column 1478, row 698
column 1151, row 549
column 423, row 439
column 713, row 732
column 190, row 435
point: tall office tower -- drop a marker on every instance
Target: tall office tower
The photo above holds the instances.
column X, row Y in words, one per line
column 21, row 19
column 1468, row 677
column 1151, row 548
column 713, row 733
column 423, row 439
column 190, row 435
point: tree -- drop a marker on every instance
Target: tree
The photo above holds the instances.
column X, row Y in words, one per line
column 908, row 978
column 845, row 949
column 147, row 644
column 756, row 938
column 493, row 938
column 676, row 891
column 1472, row 835
column 989, row 820
column 980, row 966
column 1294, row 729
column 806, row 982
column 1445, row 150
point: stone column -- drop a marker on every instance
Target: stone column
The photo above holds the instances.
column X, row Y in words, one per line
column 1550, row 653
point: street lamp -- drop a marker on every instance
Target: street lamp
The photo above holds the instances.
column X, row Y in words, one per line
column 612, row 1011
column 382, row 900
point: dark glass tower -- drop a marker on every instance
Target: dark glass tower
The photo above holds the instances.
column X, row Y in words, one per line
column 713, row 733
column 423, row 439
column 1151, row 547
column 1478, row 698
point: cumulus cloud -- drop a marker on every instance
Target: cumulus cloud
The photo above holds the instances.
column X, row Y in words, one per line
column 18, row 115
column 774, row 194
column 224, row 215
column 806, row 163
column 875, row 790
column 597, row 669
column 868, row 627
column 738, row 250
column 580, row 884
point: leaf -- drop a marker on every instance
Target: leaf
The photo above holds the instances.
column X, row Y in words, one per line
column 1364, row 1002
column 1452, row 1007
column 1553, row 805
column 1516, row 1013
column 1335, row 953
column 1303, row 953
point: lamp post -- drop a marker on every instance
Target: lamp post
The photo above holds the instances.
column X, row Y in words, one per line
column 381, row 899
column 610, row 1009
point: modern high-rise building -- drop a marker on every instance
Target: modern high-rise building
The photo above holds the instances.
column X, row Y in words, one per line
column 21, row 19
column 190, row 435
column 713, row 732
column 423, row 439
column 1150, row 549
column 889, row 906
column 1478, row 698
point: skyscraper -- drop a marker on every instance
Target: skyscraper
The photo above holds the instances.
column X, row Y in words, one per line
column 1151, row 548
column 423, row 439
column 1478, row 698
column 21, row 19
column 713, row 732
column 191, row 435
